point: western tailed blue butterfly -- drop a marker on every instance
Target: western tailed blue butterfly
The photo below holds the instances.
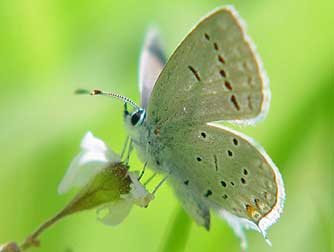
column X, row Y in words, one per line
column 215, row 74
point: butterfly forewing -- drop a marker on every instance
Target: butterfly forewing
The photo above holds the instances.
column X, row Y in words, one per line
column 152, row 61
column 228, row 171
column 213, row 75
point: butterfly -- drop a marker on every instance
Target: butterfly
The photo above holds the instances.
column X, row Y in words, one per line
column 214, row 75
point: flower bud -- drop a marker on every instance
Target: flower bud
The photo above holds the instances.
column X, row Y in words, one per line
column 105, row 182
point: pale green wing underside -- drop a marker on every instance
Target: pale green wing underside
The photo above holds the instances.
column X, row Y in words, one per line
column 228, row 171
column 193, row 205
column 213, row 75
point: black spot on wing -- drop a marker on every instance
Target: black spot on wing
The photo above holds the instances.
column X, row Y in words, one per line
column 235, row 102
column 216, row 162
column 195, row 72
column 223, row 183
column 208, row 193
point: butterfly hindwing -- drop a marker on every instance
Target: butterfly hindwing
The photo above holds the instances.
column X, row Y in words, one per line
column 213, row 75
column 194, row 206
column 227, row 171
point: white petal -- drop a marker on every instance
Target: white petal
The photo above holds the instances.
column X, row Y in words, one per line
column 94, row 156
column 95, row 145
column 117, row 211
column 79, row 173
column 138, row 193
column 91, row 143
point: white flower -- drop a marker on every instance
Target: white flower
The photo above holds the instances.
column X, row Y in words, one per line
column 115, row 212
column 95, row 156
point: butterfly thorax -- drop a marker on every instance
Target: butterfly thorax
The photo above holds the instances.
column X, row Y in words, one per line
column 146, row 139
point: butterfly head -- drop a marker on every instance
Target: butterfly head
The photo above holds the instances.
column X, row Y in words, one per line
column 134, row 122
column 135, row 118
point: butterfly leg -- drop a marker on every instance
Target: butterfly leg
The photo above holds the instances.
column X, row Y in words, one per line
column 125, row 146
column 160, row 184
column 142, row 171
column 130, row 149
column 150, row 179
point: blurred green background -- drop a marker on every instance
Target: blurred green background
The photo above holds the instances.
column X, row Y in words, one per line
column 50, row 48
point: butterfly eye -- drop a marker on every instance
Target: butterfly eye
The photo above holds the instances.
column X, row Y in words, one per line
column 137, row 118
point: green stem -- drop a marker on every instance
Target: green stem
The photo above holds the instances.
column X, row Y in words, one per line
column 180, row 225
column 32, row 240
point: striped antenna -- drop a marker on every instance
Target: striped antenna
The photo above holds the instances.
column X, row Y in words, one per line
column 103, row 93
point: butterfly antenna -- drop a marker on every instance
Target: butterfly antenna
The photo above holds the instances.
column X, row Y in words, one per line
column 103, row 93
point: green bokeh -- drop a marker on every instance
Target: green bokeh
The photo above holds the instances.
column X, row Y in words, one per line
column 50, row 48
